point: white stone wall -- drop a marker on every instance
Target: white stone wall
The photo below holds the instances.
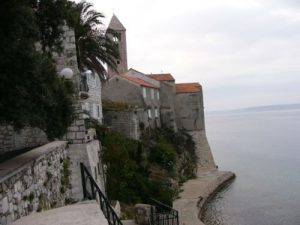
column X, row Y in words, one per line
column 36, row 182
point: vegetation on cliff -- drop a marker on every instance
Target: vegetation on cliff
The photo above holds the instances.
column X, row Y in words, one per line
column 153, row 167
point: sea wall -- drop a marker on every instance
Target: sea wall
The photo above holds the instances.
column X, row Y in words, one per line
column 34, row 181
column 197, row 192
column 28, row 137
column 205, row 159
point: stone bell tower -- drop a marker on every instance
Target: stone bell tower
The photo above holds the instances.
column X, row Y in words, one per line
column 120, row 40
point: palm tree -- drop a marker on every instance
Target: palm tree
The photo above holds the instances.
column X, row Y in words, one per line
column 94, row 45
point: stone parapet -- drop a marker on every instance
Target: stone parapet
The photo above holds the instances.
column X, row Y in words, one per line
column 34, row 181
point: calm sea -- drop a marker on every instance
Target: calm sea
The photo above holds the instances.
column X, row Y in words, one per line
column 263, row 149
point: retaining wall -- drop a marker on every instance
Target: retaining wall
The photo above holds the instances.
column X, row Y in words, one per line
column 34, row 181
column 28, row 137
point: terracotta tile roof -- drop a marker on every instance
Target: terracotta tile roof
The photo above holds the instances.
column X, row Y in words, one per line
column 162, row 77
column 188, row 88
column 139, row 81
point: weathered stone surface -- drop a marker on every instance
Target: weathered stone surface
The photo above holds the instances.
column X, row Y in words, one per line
column 11, row 140
column 195, row 194
column 34, row 181
column 142, row 214
column 204, row 155
column 84, row 213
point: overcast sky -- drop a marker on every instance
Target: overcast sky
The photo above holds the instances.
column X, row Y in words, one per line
column 243, row 52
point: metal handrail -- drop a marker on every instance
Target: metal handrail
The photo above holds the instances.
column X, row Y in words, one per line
column 94, row 192
column 163, row 214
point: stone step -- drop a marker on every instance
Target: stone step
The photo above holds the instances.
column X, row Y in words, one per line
column 83, row 213
column 128, row 222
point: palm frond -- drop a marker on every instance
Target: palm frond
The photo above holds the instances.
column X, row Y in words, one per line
column 95, row 47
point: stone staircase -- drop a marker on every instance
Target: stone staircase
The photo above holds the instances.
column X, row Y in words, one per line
column 83, row 213
column 128, row 222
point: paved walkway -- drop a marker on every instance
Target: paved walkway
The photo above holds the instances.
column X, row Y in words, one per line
column 84, row 213
column 195, row 194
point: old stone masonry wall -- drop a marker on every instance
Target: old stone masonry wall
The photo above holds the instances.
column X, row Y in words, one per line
column 11, row 140
column 34, row 181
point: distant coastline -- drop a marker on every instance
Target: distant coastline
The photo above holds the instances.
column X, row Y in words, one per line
column 257, row 109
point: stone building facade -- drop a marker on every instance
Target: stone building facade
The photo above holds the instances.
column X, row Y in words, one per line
column 175, row 106
column 189, row 107
column 92, row 106
column 137, row 93
column 167, row 102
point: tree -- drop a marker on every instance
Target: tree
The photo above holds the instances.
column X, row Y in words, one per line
column 94, row 46
column 31, row 93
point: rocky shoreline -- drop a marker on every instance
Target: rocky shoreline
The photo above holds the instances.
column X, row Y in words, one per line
column 197, row 192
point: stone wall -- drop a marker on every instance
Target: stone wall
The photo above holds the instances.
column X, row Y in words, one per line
column 68, row 57
column 34, row 181
column 189, row 111
column 28, row 137
column 93, row 103
column 126, row 122
column 205, row 159
column 90, row 155
column 167, row 110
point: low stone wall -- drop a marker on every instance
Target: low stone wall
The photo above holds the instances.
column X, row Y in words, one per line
column 11, row 140
column 34, row 181
column 197, row 192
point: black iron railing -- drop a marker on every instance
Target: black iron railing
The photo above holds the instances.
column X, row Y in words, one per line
column 92, row 191
column 163, row 214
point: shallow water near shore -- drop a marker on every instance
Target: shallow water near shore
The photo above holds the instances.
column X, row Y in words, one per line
column 263, row 149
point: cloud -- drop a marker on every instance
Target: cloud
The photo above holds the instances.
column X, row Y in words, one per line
column 243, row 51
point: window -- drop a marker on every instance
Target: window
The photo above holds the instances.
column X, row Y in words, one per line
column 115, row 38
column 152, row 93
column 149, row 114
column 156, row 112
column 157, row 94
column 144, row 92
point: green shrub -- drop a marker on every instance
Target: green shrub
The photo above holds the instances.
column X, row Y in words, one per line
column 164, row 154
column 130, row 164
